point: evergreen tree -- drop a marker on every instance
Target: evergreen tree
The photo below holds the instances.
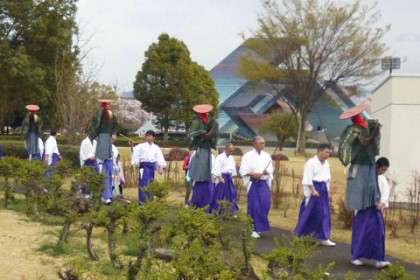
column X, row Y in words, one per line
column 170, row 83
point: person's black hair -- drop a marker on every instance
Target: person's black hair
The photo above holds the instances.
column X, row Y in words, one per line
column 324, row 146
column 53, row 132
column 150, row 132
column 383, row 161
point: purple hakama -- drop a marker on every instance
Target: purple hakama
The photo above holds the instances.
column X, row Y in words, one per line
column 94, row 164
column 146, row 178
column 259, row 202
column 49, row 171
column 225, row 191
column 36, row 156
column 368, row 235
column 202, row 195
column 107, row 166
column 315, row 217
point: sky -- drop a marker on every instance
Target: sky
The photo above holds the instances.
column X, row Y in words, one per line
column 116, row 33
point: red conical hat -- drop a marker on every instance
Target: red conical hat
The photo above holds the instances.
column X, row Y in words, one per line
column 203, row 108
column 32, row 107
column 353, row 111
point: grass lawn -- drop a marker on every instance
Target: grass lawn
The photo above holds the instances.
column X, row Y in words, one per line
column 30, row 244
column 404, row 247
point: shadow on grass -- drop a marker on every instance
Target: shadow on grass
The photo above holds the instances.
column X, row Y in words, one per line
column 73, row 248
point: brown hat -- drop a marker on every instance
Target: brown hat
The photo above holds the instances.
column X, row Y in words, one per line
column 353, row 111
column 203, row 108
column 32, row 107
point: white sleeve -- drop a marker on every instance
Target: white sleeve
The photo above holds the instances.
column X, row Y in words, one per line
column 245, row 166
column 40, row 146
column 233, row 166
column 160, row 158
column 135, row 156
column 93, row 152
column 49, row 147
column 217, row 167
column 270, row 170
column 384, row 188
column 82, row 154
column 308, row 174
column 328, row 182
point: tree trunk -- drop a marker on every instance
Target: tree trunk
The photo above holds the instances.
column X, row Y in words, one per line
column 35, row 206
column 125, row 228
column 89, row 246
column 280, row 142
column 166, row 134
column 111, row 245
column 7, row 192
column 64, row 234
column 133, row 269
column 301, row 134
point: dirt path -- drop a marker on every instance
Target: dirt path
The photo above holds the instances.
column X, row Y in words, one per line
column 339, row 254
column 19, row 239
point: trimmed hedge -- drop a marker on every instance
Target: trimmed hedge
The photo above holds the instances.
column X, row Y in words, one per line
column 17, row 149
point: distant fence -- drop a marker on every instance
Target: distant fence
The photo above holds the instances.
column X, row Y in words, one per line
column 402, row 205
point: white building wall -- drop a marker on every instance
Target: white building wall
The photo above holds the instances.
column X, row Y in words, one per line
column 396, row 103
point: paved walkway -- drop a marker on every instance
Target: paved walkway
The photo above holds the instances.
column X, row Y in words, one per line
column 339, row 254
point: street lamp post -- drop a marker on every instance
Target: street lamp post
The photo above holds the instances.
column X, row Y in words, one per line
column 389, row 63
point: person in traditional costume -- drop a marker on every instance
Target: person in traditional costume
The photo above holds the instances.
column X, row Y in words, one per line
column 359, row 144
column 368, row 236
column 116, row 168
column 203, row 137
column 32, row 129
column 51, row 154
column 149, row 157
column 87, row 157
column 315, row 211
column 103, row 125
column 224, row 168
column 187, row 181
column 118, row 179
column 257, row 173
column 41, row 148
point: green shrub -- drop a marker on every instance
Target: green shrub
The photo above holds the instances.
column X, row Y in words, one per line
column 13, row 148
column 17, row 149
column 394, row 272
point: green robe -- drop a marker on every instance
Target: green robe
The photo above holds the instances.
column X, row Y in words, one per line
column 197, row 129
column 201, row 162
column 103, row 129
column 32, row 132
column 359, row 146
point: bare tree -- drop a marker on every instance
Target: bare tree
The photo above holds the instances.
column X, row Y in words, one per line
column 74, row 99
column 311, row 45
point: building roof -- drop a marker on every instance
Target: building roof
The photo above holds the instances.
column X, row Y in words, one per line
column 242, row 104
column 253, row 121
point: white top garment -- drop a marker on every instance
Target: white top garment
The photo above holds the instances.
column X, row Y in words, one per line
column 115, row 153
column 146, row 152
column 224, row 164
column 256, row 162
column 314, row 170
column 51, row 148
column 385, row 189
column 40, row 147
column 87, row 150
